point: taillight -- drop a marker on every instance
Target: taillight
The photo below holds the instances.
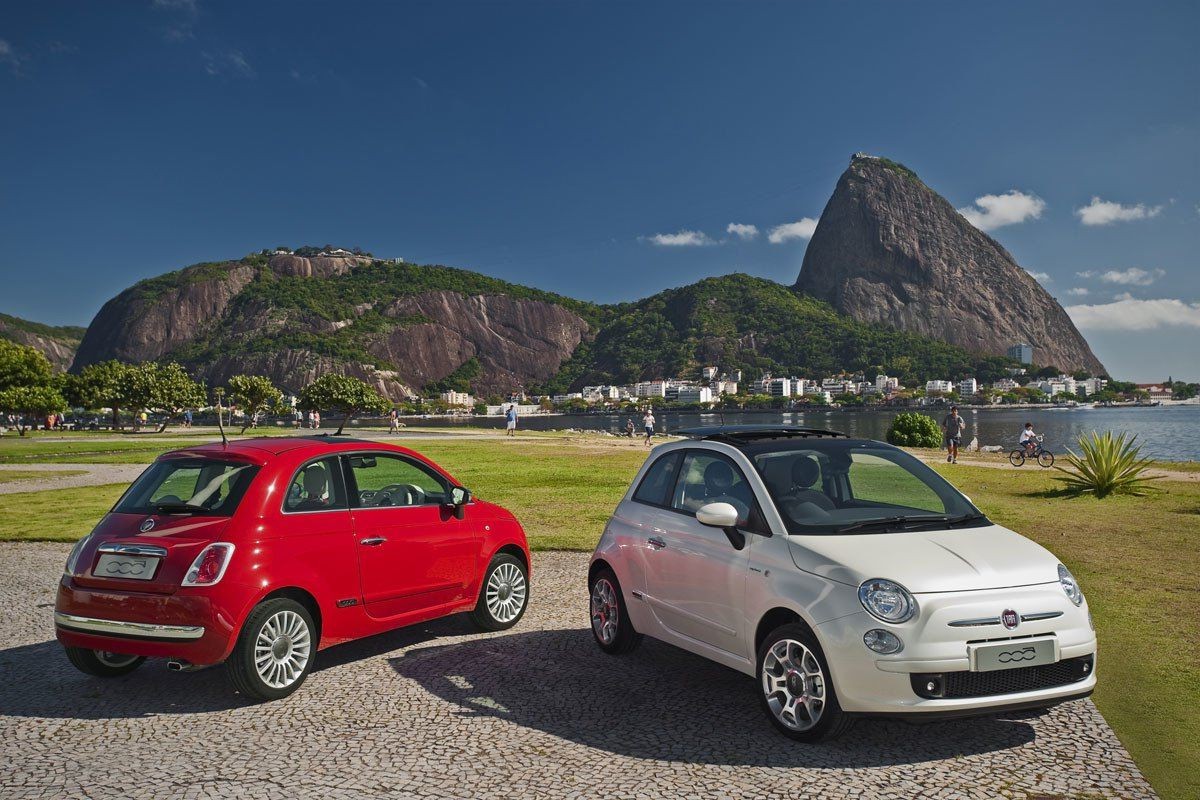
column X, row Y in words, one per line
column 209, row 566
column 73, row 558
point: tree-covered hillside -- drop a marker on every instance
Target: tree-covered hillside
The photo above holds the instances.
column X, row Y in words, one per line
column 756, row 325
column 67, row 334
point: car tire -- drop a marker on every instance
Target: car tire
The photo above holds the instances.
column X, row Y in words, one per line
column 795, row 687
column 609, row 619
column 101, row 663
column 503, row 594
column 275, row 650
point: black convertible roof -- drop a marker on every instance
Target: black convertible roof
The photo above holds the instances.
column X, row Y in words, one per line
column 747, row 433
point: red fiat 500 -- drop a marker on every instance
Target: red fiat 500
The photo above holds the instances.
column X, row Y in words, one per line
column 261, row 552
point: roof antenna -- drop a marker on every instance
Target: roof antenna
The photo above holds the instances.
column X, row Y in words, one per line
column 220, row 423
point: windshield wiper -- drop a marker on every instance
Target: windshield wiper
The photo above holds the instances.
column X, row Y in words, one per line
column 909, row 523
column 179, row 508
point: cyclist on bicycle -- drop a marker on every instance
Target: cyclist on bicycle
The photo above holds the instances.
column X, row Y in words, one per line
column 1028, row 439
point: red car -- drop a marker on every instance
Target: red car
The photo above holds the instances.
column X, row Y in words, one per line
column 260, row 552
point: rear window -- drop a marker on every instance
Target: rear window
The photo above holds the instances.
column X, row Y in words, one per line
column 208, row 486
column 656, row 486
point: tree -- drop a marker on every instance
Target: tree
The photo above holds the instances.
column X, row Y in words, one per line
column 23, row 366
column 255, row 394
column 911, row 429
column 341, row 393
column 100, row 386
column 35, row 401
column 165, row 389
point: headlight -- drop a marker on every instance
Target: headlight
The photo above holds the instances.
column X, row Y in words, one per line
column 887, row 600
column 72, row 559
column 1070, row 585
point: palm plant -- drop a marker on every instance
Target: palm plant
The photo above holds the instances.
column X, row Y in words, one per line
column 1108, row 465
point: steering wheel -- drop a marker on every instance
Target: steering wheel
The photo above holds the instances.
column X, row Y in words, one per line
column 409, row 494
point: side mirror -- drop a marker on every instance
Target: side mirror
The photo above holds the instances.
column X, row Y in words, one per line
column 459, row 497
column 717, row 515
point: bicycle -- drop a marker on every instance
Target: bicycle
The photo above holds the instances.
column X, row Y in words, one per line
column 1044, row 457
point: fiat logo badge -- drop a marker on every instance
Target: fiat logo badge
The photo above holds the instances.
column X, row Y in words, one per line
column 146, row 525
column 1010, row 619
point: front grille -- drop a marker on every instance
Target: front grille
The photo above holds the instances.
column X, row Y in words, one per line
column 955, row 685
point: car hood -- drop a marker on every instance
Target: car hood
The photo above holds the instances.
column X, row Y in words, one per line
column 959, row 560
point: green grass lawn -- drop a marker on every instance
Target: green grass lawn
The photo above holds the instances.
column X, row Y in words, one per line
column 1138, row 559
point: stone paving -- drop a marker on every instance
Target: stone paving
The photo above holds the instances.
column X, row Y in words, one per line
column 443, row 711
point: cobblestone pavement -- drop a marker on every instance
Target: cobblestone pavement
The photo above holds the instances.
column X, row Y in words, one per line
column 443, row 711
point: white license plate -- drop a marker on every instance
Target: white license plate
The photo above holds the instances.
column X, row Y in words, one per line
column 1013, row 654
column 126, row 568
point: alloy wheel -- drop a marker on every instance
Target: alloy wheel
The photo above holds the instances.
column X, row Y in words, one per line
column 282, row 649
column 115, row 660
column 604, row 611
column 506, row 592
column 793, row 684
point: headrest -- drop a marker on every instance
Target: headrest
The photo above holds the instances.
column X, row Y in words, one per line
column 805, row 471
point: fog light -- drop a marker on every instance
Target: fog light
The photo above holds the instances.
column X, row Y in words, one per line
column 931, row 687
column 883, row 642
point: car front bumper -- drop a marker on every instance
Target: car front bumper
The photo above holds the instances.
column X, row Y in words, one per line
column 937, row 647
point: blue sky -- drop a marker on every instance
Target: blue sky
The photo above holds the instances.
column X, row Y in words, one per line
column 601, row 150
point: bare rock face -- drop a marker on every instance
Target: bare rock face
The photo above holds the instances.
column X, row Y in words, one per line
column 154, row 317
column 516, row 340
column 59, row 353
column 292, row 370
column 889, row 249
column 316, row 266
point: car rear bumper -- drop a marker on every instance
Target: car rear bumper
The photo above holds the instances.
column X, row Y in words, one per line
column 188, row 627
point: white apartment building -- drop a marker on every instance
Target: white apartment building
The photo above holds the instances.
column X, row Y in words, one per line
column 886, row 384
column 725, row 387
column 651, row 389
column 939, row 386
column 601, row 392
column 967, row 387
column 1005, row 384
column 779, row 387
column 454, row 398
column 1090, row 386
column 709, row 373
column 694, row 394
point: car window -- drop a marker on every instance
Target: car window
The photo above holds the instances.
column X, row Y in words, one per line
column 210, row 485
column 659, row 480
column 317, row 486
column 712, row 478
column 877, row 480
column 383, row 480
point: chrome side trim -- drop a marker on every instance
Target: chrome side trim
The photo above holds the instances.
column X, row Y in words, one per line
column 1040, row 615
column 974, row 623
column 145, row 630
column 134, row 550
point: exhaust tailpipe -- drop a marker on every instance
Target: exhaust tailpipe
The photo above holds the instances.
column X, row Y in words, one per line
column 178, row 666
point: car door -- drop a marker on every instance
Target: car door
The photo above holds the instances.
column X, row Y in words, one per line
column 316, row 529
column 695, row 578
column 415, row 557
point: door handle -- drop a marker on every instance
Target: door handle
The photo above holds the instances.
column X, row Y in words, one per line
column 656, row 543
column 374, row 541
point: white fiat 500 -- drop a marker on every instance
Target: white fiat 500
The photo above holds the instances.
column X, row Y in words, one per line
column 844, row 575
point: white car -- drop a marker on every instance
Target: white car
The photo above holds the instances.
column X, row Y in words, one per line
column 844, row 575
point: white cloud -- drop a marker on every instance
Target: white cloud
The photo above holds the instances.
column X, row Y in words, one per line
column 228, row 62
column 684, row 238
column 742, row 231
column 1129, row 314
column 1040, row 277
column 997, row 210
column 1134, row 276
column 1078, row 291
column 9, row 56
column 1104, row 212
column 801, row 229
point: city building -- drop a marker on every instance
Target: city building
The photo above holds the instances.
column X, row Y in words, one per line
column 1005, row 385
column 1156, row 391
column 709, row 373
column 939, row 386
column 651, row 389
column 454, row 398
column 694, row 394
column 778, row 387
column 968, row 387
column 1021, row 352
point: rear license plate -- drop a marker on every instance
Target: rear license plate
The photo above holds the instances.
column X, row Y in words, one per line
column 125, row 568
column 1010, row 655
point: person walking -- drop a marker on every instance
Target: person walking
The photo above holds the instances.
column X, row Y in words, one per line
column 648, row 425
column 510, row 420
column 629, row 427
column 952, row 431
column 393, row 421
column 187, row 418
column 316, row 419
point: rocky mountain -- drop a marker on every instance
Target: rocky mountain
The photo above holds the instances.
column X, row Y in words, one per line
column 398, row 326
column 888, row 249
column 57, row 342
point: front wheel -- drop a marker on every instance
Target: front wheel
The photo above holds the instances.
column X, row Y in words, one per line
column 102, row 663
column 1046, row 458
column 795, row 688
column 504, row 596
column 274, row 652
column 1017, row 458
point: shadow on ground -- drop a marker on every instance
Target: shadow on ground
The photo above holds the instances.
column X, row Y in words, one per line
column 663, row 703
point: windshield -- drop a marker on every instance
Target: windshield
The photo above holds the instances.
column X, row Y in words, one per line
column 825, row 486
column 189, row 486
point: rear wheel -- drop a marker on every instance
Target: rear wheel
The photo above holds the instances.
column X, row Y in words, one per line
column 504, row 596
column 102, row 663
column 1046, row 458
column 274, row 652
column 610, row 621
column 1017, row 458
column 795, row 688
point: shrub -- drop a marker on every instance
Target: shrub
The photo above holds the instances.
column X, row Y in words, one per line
column 1107, row 466
column 914, row 430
